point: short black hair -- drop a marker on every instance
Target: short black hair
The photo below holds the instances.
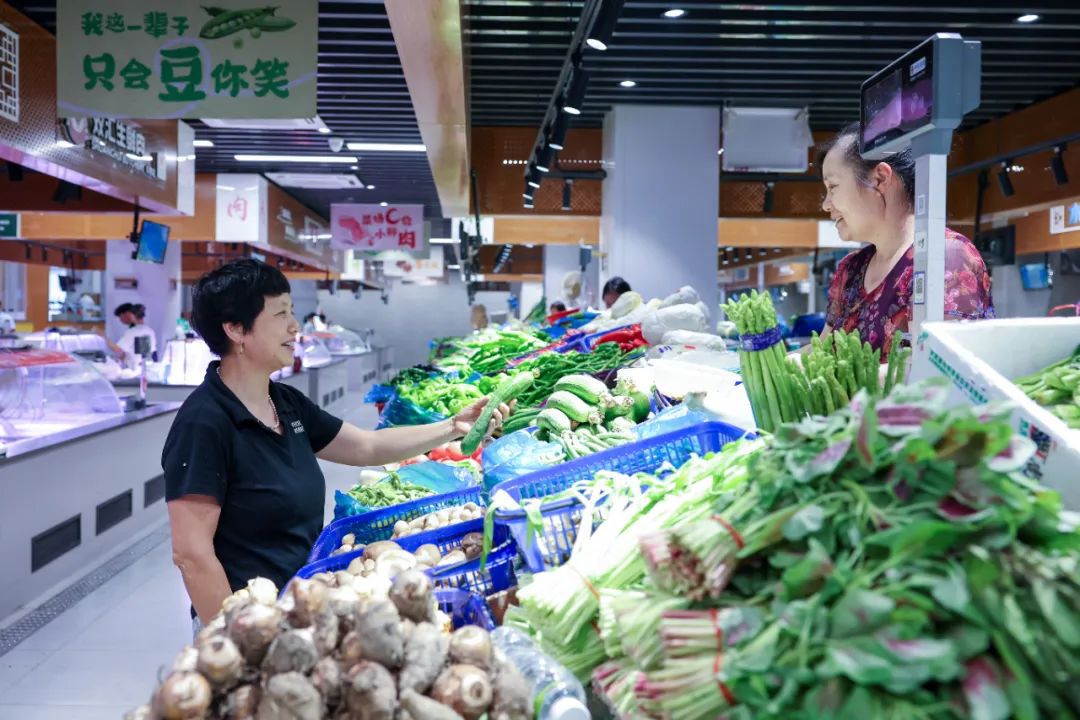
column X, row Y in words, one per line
column 615, row 285
column 307, row 318
column 902, row 163
column 121, row 309
column 138, row 310
column 558, row 306
column 234, row 293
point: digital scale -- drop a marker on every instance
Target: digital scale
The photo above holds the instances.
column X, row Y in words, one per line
column 915, row 103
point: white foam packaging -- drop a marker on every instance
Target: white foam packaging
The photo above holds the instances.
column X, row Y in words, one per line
column 981, row 359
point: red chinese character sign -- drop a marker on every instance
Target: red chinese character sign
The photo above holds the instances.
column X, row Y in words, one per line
column 186, row 58
column 374, row 227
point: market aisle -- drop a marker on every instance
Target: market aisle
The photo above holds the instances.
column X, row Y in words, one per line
column 101, row 657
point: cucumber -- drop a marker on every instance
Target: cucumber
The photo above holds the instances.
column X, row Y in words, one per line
column 575, row 408
column 503, row 394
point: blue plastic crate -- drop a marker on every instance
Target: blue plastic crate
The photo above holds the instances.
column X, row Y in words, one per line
column 497, row 575
column 378, row 524
column 562, row 517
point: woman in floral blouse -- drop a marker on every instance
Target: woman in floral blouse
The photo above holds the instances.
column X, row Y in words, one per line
column 873, row 202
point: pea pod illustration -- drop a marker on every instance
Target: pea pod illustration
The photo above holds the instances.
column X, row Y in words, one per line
column 256, row 21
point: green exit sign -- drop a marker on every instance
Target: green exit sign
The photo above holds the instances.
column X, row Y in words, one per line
column 9, row 225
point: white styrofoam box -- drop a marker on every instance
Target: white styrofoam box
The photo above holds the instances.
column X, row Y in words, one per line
column 983, row 358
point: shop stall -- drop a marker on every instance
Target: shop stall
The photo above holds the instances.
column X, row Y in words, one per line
column 85, row 471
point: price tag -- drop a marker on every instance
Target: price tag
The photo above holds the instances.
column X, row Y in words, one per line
column 918, row 289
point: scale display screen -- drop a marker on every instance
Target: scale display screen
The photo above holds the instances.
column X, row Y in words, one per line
column 898, row 100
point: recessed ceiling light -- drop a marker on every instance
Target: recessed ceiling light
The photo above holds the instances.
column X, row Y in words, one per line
column 383, row 204
column 628, row 83
column 325, row 130
column 354, row 167
column 64, row 144
column 674, row 13
column 370, row 187
column 1029, row 18
column 203, row 143
column 339, row 159
column 387, row 147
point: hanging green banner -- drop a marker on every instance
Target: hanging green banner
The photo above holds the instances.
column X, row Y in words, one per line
column 182, row 59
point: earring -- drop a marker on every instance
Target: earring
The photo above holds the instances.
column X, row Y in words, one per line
column 241, row 348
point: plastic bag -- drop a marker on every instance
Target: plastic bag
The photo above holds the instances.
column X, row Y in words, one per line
column 673, row 418
column 399, row 412
column 380, row 394
column 440, row 478
column 517, row 454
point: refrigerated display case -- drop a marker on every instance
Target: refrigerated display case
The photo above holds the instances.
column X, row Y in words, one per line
column 44, row 392
column 342, row 342
column 183, row 362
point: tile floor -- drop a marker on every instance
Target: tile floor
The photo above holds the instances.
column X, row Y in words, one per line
column 103, row 656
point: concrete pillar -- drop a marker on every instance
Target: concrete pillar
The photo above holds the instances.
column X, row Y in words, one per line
column 658, row 229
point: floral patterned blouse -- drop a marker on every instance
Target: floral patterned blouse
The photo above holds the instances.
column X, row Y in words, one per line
column 879, row 313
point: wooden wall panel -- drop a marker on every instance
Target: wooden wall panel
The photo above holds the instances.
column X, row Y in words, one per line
column 745, row 232
column 500, row 155
column 540, row 230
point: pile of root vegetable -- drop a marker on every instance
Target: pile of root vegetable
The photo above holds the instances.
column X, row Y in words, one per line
column 322, row 652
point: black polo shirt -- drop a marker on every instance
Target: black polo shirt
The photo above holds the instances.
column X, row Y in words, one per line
column 269, row 486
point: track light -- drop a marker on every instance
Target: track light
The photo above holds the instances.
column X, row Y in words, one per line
column 528, row 202
column 1004, row 182
column 604, row 25
column 575, row 93
column 567, row 194
column 532, row 178
column 544, row 156
column 557, row 139
column 1057, row 165
column 767, row 204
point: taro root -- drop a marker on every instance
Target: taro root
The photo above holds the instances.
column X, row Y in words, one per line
column 242, row 703
column 370, row 693
column 307, row 599
column 428, row 555
column 351, row 650
column 512, row 697
column 472, row 545
column 327, row 677
column 412, row 594
column 465, row 688
column 419, row 706
column 220, row 662
column 182, row 696
column 393, row 562
column 471, row 645
column 292, row 651
column 425, row 656
column 376, row 549
column 187, row 660
column 263, row 591
column 253, row 628
column 327, row 631
column 290, row 696
column 380, row 627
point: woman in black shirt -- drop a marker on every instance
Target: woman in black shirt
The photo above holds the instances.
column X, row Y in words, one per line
column 244, row 489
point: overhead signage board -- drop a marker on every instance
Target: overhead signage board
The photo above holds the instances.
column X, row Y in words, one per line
column 376, row 227
column 9, row 225
column 183, row 59
column 410, row 268
column 123, row 142
column 241, row 208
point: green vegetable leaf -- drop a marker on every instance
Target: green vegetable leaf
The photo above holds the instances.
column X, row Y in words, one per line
column 984, row 692
column 806, row 521
column 952, row 591
column 807, row 575
column 1062, row 620
column 858, row 612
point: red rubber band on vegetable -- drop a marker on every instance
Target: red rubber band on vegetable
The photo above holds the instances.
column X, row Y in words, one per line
column 731, row 531
column 724, row 689
column 719, row 630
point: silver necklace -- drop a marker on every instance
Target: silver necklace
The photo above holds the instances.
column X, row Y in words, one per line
column 277, row 421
